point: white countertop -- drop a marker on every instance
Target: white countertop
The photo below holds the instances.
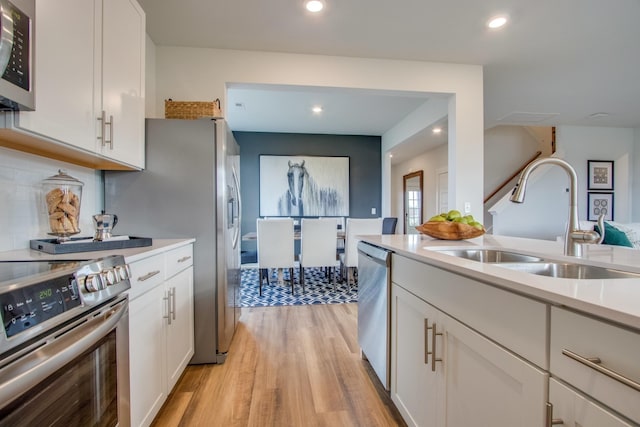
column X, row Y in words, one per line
column 130, row 254
column 617, row 300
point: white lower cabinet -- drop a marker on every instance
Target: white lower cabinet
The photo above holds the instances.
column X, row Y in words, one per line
column 457, row 377
column 570, row 408
column 179, row 324
column 146, row 356
column 414, row 387
column 485, row 384
column 161, row 334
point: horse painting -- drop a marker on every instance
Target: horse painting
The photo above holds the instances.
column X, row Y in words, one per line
column 305, row 198
column 291, row 203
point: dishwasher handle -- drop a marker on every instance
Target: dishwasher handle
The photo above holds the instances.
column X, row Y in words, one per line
column 375, row 253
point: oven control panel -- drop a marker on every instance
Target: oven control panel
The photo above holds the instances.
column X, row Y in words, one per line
column 29, row 306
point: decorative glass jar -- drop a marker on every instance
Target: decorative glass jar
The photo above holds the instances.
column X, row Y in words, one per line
column 62, row 196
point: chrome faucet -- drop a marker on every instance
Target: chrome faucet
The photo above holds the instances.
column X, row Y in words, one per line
column 574, row 237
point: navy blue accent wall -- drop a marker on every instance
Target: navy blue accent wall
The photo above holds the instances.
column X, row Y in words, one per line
column 365, row 176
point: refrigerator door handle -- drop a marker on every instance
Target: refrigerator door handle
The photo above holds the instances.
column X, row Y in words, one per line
column 236, row 222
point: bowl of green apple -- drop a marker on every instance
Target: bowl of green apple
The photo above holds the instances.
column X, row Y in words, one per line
column 452, row 225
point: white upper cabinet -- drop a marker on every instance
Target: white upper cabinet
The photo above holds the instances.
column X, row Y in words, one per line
column 89, row 60
column 122, row 82
column 64, row 74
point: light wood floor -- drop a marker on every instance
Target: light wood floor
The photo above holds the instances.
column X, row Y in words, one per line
column 287, row 366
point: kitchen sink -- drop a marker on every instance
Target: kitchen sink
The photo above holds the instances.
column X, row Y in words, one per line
column 540, row 266
column 491, row 255
column 568, row 270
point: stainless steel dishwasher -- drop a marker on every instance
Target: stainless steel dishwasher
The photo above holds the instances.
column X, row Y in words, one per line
column 374, row 313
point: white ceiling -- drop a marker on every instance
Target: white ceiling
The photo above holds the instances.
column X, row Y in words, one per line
column 557, row 62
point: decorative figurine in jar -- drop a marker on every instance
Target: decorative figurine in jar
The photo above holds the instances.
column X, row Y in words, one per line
column 62, row 195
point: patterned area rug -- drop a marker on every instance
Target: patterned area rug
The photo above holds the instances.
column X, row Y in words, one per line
column 318, row 289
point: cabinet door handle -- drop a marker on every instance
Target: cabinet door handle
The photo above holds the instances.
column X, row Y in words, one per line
column 434, row 359
column 173, row 303
column 103, row 128
column 594, row 363
column 110, row 140
column 167, row 298
column 426, row 341
column 185, row 258
column 148, row 276
column 550, row 421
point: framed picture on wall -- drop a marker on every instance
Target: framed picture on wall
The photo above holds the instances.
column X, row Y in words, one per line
column 600, row 175
column 600, row 203
column 301, row 186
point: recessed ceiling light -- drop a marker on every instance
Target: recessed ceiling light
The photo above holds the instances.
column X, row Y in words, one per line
column 317, row 109
column 314, row 5
column 437, row 130
column 497, row 22
column 598, row 115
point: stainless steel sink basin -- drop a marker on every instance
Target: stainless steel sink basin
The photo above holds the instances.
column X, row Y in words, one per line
column 569, row 270
column 540, row 266
column 490, row 255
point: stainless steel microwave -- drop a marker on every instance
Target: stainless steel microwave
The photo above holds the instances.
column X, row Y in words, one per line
column 17, row 43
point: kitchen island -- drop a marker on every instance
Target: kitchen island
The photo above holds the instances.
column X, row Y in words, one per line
column 470, row 337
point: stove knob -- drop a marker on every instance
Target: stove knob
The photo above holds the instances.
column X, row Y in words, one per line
column 93, row 283
column 121, row 272
column 110, row 277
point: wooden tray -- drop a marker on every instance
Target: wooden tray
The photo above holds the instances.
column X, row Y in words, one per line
column 449, row 230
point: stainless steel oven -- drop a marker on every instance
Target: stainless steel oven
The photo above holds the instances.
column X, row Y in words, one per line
column 64, row 350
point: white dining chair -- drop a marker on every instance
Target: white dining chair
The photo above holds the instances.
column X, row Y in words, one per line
column 318, row 239
column 275, row 247
column 356, row 227
column 340, row 225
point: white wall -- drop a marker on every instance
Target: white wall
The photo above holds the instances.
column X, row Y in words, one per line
column 429, row 162
column 194, row 74
column 544, row 213
column 23, row 216
column 582, row 143
column 505, row 150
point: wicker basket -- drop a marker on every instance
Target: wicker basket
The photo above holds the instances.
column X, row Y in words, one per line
column 191, row 109
column 447, row 230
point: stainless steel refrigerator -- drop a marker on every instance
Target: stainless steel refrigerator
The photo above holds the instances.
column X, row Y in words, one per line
column 190, row 188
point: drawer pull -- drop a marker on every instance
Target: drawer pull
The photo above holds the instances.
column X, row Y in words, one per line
column 185, row 258
column 148, row 276
column 594, row 363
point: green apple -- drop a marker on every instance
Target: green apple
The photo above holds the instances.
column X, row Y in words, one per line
column 437, row 218
column 452, row 214
column 476, row 224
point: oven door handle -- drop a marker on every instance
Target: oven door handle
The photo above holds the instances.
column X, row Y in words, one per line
column 28, row 371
